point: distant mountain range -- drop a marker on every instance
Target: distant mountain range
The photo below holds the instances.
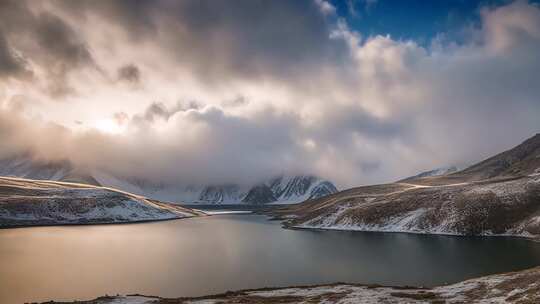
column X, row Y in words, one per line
column 282, row 189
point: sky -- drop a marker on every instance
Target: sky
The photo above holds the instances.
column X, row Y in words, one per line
column 416, row 20
column 214, row 92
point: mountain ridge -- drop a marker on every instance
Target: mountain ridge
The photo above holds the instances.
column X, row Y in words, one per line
column 282, row 189
column 496, row 196
column 433, row 172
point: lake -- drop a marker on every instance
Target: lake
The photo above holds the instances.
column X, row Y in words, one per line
column 200, row 256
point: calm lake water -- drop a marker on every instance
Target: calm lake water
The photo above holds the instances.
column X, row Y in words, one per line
column 211, row 255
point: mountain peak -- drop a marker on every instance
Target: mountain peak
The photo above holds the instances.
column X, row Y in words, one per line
column 283, row 188
column 260, row 194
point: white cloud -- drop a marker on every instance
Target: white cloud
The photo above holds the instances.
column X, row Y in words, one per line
column 317, row 98
column 326, row 7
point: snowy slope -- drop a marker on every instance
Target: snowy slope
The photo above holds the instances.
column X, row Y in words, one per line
column 26, row 202
column 499, row 196
column 299, row 188
column 503, row 208
column 221, row 194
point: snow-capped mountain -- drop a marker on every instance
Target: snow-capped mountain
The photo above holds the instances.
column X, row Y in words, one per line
column 283, row 189
column 299, row 188
column 260, row 194
column 221, row 194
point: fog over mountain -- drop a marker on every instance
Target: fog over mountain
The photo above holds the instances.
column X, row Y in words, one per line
column 215, row 92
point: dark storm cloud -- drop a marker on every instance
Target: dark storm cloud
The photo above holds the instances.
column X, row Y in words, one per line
column 64, row 50
column 14, row 14
column 129, row 73
column 10, row 64
column 48, row 41
column 57, row 40
column 61, row 42
column 217, row 39
column 138, row 17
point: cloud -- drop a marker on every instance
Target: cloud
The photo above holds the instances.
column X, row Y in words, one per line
column 10, row 64
column 60, row 41
column 129, row 73
column 353, row 9
column 121, row 118
column 326, row 7
column 230, row 96
column 220, row 42
column 48, row 43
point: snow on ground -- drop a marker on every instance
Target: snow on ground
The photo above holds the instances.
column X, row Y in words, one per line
column 28, row 202
column 131, row 300
column 430, row 210
column 517, row 287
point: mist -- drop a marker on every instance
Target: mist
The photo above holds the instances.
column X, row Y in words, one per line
column 194, row 93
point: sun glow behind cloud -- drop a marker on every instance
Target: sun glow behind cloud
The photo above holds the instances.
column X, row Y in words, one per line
column 199, row 91
column 109, row 126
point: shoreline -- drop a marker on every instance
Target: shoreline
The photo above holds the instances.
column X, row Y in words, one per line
column 101, row 223
column 515, row 236
column 284, row 225
column 495, row 288
column 302, row 293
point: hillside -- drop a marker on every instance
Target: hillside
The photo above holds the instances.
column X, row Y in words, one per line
column 516, row 287
column 435, row 172
column 282, row 189
column 498, row 196
column 26, row 202
column 25, row 166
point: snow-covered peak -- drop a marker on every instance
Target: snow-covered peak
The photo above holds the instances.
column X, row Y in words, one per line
column 282, row 189
column 300, row 188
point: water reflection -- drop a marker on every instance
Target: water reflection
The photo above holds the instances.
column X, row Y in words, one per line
column 201, row 256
